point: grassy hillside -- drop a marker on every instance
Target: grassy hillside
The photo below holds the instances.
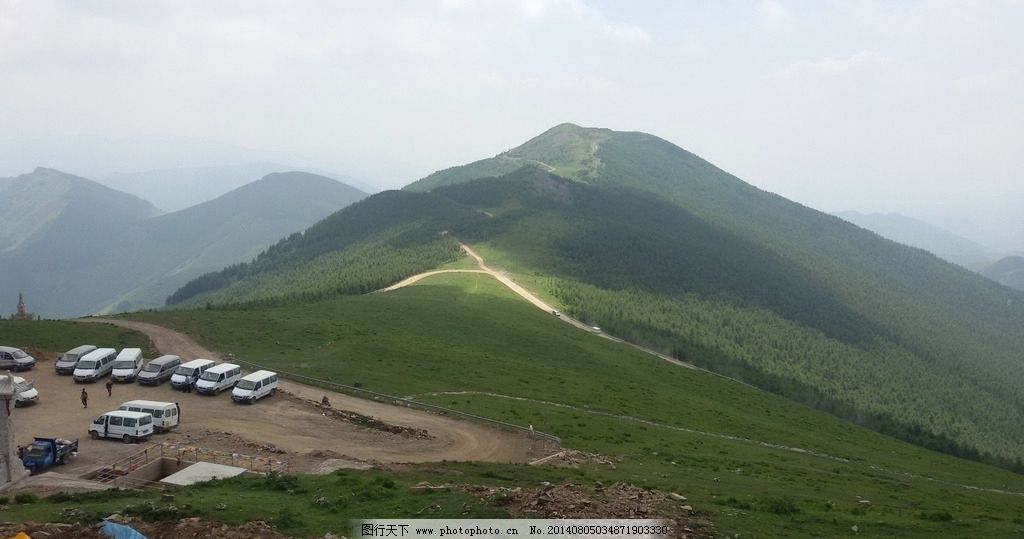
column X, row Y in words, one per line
column 659, row 246
column 764, row 466
column 59, row 336
column 75, row 247
column 374, row 243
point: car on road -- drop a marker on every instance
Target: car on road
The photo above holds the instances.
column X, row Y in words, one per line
column 15, row 359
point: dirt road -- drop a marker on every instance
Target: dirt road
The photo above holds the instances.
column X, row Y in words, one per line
column 540, row 304
column 288, row 423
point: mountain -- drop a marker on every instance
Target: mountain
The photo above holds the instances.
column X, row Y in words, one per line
column 629, row 232
column 178, row 188
column 931, row 238
column 76, row 247
column 62, row 208
column 1008, row 271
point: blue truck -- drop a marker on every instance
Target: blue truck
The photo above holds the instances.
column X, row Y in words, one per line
column 43, row 453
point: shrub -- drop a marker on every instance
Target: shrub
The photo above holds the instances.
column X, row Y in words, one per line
column 26, row 498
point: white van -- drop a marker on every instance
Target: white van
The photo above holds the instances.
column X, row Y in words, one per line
column 66, row 362
column 187, row 373
column 128, row 426
column 253, row 387
column 218, row 378
column 127, row 365
column 165, row 414
column 95, row 365
column 24, row 392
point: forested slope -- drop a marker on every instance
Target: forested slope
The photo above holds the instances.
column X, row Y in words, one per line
column 636, row 235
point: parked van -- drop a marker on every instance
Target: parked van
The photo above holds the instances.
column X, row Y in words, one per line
column 127, row 365
column 66, row 362
column 24, row 392
column 159, row 370
column 15, row 359
column 253, row 387
column 218, row 378
column 128, row 426
column 95, row 365
column 165, row 414
column 187, row 374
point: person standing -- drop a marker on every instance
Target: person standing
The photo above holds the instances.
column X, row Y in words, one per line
column 85, row 398
column 110, row 387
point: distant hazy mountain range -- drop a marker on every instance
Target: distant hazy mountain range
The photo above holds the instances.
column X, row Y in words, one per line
column 1008, row 271
column 76, row 247
column 931, row 238
column 173, row 189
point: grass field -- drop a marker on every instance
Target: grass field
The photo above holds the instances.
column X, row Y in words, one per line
column 767, row 467
column 61, row 336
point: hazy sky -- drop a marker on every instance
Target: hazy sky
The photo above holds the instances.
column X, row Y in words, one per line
column 841, row 105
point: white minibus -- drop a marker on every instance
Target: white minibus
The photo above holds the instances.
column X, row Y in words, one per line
column 95, row 365
column 127, row 365
column 165, row 414
column 128, row 426
column 187, row 373
column 253, row 387
column 218, row 378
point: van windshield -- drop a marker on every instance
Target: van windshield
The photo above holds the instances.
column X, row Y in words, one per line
column 145, row 420
column 67, row 358
column 151, row 367
column 210, row 376
column 183, row 370
column 124, row 364
column 246, row 384
column 91, row 364
column 18, row 354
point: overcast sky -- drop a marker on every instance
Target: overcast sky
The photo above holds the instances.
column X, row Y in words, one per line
column 841, row 105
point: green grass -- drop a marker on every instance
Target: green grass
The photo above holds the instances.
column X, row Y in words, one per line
column 466, row 333
column 60, row 336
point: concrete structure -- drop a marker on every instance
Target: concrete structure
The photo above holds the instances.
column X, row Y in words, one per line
column 11, row 468
column 203, row 471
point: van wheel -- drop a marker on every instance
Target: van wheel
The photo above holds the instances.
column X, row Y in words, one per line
column 94, row 435
column 126, row 439
column 273, row 392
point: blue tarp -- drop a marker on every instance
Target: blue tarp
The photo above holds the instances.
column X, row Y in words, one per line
column 120, row 531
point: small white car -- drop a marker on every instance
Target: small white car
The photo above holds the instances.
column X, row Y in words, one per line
column 24, row 392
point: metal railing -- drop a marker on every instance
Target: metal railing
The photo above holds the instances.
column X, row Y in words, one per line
column 399, row 401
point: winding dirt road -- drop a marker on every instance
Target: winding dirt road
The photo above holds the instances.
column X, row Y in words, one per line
column 451, row 439
column 542, row 305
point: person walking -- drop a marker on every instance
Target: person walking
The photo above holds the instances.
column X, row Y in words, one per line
column 110, row 387
column 85, row 398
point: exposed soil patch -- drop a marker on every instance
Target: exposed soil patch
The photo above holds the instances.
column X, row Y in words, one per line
column 618, row 500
